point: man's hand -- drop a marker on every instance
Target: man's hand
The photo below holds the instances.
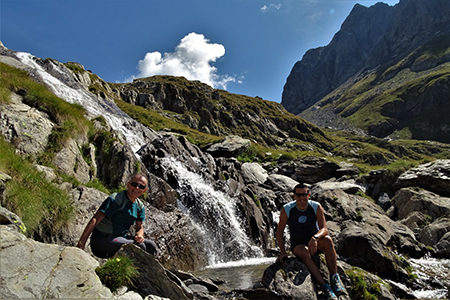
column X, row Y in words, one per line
column 282, row 256
column 312, row 246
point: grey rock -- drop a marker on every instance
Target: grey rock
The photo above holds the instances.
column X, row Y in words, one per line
column 152, row 278
column 414, row 199
column 433, row 176
column 26, row 127
column 46, row 270
column 69, row 161
column 281, row 182
column 290, row 279
column 230, row 146
column 254, row 173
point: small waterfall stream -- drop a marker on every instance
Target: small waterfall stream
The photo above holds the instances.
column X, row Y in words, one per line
column 214, row 213
column 94, row 106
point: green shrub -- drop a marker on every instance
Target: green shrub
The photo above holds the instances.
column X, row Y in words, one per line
column 117, row 272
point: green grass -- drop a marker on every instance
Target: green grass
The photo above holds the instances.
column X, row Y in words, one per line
column 157, row 122
column 361, row 289
column 41, row 205
column 117, row 272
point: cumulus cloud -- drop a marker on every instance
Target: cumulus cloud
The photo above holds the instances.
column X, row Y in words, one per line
column 192, row 59
column 266, row 8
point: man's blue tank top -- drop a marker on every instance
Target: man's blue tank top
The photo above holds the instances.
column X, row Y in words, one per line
column 302, row 223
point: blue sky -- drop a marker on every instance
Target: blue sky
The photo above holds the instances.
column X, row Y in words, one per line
column 244, row 46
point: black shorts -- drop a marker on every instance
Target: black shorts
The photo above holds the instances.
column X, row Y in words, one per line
column 296, row 242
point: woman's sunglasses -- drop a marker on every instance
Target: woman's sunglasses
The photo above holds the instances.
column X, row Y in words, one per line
column 135, row 184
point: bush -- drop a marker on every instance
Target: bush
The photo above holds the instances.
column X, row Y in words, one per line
column 117, row 272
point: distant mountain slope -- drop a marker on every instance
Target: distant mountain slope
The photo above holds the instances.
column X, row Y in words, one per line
column 385, row 72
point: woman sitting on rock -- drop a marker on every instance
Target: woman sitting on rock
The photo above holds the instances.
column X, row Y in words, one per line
column 111, row 223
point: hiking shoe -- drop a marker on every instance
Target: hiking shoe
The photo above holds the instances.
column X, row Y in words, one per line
column 337, row 285
column 328, row 292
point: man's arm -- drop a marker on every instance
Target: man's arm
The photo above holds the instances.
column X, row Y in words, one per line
column 323, row 230
column 280, row 231
column 98, row 216
column 139, row 237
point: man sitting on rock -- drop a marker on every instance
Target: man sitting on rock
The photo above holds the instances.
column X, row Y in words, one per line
column 309, row 234
column 110, row 224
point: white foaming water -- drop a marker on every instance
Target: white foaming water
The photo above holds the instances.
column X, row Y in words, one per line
column 214, row 212
column 439, row 269
column 94, row 106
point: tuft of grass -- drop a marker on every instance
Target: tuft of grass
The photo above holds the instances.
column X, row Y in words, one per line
column 117, row 272
column 360, row 290
column 41, row 205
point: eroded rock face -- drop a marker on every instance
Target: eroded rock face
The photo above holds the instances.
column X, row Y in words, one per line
column 26, row 127
column 46, row 270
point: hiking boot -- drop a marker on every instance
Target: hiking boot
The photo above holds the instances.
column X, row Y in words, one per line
column 328, row 292
column 337, row 285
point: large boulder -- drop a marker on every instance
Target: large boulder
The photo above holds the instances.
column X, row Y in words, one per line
column 281, row 183
column 46, row 270
column 433, row 176
column 230, row 146
column 179, row 241
column 414, row 199
column 69, row 161
column 290, row 279
column 153, row 278
column 253, row 173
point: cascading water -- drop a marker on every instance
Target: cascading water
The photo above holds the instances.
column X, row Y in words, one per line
column 214, row 213
column 133, row 131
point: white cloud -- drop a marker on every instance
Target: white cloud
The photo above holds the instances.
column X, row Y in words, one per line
column 266, row 8
column 192, row 59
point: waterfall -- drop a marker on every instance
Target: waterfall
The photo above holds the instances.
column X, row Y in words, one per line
column 134, row 132
column 214, row 213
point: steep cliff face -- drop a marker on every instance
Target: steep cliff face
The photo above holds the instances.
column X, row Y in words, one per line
column 323, row 69
column 378, row 55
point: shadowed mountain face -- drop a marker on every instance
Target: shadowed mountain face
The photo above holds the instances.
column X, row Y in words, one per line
column 385, row 72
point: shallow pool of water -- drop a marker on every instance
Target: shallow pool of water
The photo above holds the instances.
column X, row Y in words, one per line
column 239, row 274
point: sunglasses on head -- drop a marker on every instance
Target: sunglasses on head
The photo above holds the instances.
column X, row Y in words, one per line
column 135, row 184
column 301, row 194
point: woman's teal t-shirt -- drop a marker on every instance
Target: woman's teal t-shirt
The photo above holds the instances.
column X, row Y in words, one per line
column 120, row 213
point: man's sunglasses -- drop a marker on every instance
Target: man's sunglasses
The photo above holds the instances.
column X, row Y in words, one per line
column 135, row 184
column 301, row 194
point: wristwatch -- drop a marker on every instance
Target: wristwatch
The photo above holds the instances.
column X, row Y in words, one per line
column 316, row 237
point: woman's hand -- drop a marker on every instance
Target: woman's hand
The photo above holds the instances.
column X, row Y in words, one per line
column 139, row 239
column 282, row 256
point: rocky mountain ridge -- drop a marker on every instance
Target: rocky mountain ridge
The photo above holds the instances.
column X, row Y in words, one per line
column 389, row 62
